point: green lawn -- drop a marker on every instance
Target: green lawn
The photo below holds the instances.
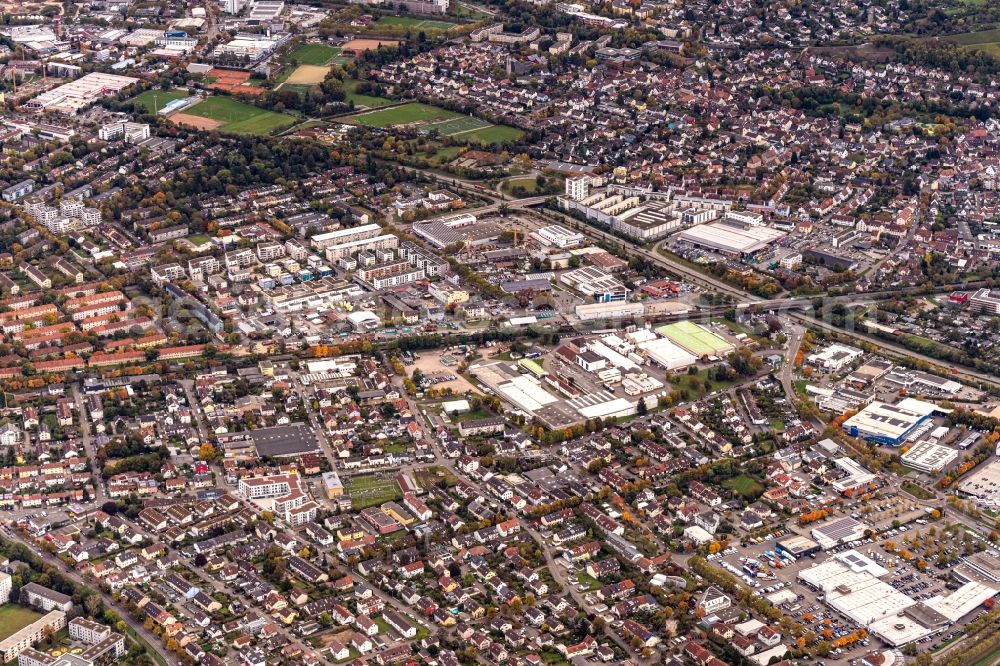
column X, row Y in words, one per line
column 975, row 38
column 470, row 416
column 529, row 185
column 415, row 23
column 701, row 377
column 239, row 117
column 368, row 490
column 917, row 491
column 13, row 618
column 298, row 88
column 494, row 134
column 592, row 583
column 459, row 125
column 744, row 486
column 428, row 477
column 350, row 86
column 314, row 54
column 198, row 239
column 405, row 114
column 160, row 97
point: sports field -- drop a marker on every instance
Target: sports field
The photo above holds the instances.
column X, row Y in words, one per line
column 314, row 54
column 494, row 134
column 363, row 44
column 415, row 23
column 13, row 618
column 160, row 97
column 430, row 118
column 238, row 117
column 307, row 75
column 369, row 490
column 458, row 125
column 694, row 338
column 405, row 114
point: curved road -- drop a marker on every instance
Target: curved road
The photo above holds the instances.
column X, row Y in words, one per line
column 69, row 572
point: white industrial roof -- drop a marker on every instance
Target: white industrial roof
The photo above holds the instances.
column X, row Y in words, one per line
column 879, row 418
column 640, row 335
column 616, row 407
column 526, row 393
column 899, row 630
column 614, row 358
column 667, row 354
column 857, row 594
column 455, row 406
column 928, row 456
column 729, row 238
column 962, row 601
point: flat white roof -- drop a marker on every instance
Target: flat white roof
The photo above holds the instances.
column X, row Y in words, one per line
column 894, row 421
column 640, row 335
column 729, row 238
column 525, row 392
column 927, row 456
column 899, row 630
column 613, row 357
column 667, row 354
column 344, row 233
column 962, row 601
column 857, row 594
column 616, row 407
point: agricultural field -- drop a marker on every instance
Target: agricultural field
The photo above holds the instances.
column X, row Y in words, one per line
column 370, row 490
column 154, row 100
column 314, row 54
column 414, row 23
column 984, row 40
column 229, row 115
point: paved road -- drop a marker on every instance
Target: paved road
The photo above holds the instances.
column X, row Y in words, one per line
column 218, row 586
column 88, row 444
column 559, row 574
column 195, row 405
column 109, row 601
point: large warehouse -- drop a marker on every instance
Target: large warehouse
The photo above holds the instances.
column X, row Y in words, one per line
column 461, row 228
column 852, row 585
column 729, row 239
column 838, row 531
column 71, row 97
column 666, row 354
column 929, row 457
column 890, row 424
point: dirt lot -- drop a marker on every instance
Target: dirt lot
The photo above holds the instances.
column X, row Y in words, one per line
column 196, row 122
column 308, row 75
column 430, row 364
column 359, row 45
